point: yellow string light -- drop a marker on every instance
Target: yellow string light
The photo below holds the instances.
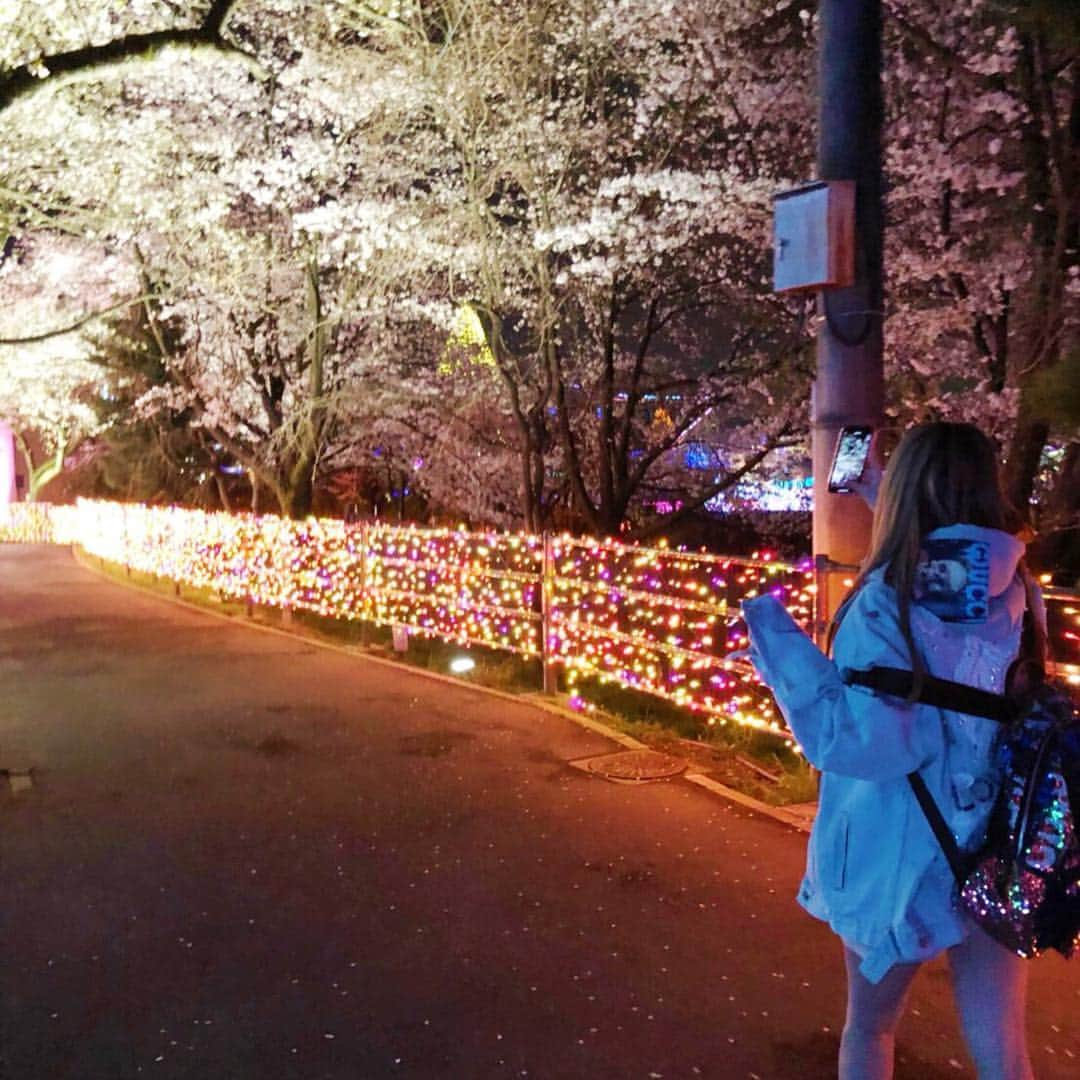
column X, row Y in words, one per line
column 656, row 620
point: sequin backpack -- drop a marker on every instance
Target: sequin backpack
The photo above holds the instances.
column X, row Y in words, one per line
column 1023, row 885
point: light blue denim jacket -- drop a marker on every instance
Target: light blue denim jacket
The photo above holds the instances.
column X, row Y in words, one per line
column 875, row 871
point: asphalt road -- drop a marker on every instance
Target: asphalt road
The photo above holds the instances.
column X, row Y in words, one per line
column 245, row 856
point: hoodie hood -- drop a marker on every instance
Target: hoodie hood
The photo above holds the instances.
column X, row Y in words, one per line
column 1005, row 551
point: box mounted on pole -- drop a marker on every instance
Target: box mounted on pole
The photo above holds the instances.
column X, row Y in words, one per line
column 814, row 237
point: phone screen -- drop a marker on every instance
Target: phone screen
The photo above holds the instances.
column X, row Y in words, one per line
column 849, row 460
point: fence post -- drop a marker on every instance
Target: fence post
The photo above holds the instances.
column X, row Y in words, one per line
column 821, row 598
column 547, row 599
column 126, row 542
column 828, row 575
column 363, row 582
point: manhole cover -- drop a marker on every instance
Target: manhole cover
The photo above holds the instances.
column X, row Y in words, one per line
column 634, row 766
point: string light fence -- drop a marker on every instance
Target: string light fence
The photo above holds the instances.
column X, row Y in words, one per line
column 660, row 621
column 29, row 523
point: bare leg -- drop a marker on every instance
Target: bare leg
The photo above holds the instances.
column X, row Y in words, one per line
column 990, row 985
column 873, row 1011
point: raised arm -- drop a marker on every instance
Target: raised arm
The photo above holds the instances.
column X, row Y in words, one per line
column 843, row 729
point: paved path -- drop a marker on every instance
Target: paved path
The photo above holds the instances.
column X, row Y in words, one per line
column 244, row 856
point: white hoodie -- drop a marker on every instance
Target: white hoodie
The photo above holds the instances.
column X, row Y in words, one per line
column 875, row 871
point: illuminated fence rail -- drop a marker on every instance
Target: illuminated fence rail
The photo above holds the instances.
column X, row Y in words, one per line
column 662, row 621
column 456, row 585
column 654, row 620
column 467, row 587
column 33, row 523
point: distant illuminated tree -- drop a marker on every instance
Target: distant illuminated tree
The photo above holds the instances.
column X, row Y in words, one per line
column 46, row 396
column 48, row 381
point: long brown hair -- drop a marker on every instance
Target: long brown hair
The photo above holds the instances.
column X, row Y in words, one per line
column 940, row 474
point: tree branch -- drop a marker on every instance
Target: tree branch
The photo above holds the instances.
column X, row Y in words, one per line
column 729, row 479
column 30, row 339
column 671, row 440
column 633, row 396
column 25, row 79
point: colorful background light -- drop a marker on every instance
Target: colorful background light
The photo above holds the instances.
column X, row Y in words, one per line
column 657, row 620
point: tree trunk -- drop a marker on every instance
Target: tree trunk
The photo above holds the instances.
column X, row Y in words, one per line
column 47, row 471
column 1025, row 453
column 222, row 493
column 296, row 492
column 529, row 501
column 605, row 436
column 299, row 496
column 1057, row 549
column 1050, row 163
column 528, row 420
column 37, row 476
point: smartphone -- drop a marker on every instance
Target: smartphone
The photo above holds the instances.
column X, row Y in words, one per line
column 849, row 458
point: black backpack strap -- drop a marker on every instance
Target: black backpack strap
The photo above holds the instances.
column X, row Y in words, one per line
column 936, row 821
column 1028, row 671
column 941, row 693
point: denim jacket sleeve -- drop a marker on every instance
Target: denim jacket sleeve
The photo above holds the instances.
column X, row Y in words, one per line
column 842, row 729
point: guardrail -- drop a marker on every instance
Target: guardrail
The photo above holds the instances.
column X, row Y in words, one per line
column 656, row 620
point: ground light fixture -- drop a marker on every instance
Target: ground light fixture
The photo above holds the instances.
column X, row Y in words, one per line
column 460, row 665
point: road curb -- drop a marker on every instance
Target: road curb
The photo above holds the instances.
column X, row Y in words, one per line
column 779, row 813
column 539, row 701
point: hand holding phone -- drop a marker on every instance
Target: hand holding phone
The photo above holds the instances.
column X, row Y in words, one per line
column 866, row 487
column 850, row 458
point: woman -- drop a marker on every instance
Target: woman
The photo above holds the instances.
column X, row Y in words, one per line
column 875, row 871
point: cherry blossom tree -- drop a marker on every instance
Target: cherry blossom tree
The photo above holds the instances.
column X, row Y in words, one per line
column 207, row 164
column 48, row 380
column 54, row 39
column 586, row 171
column 983, row 156
column 317, row 192
column 46, row 396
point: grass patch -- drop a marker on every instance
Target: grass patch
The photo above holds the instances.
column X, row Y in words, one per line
column 757, row 762
column 207, row 598
column 638, row 714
